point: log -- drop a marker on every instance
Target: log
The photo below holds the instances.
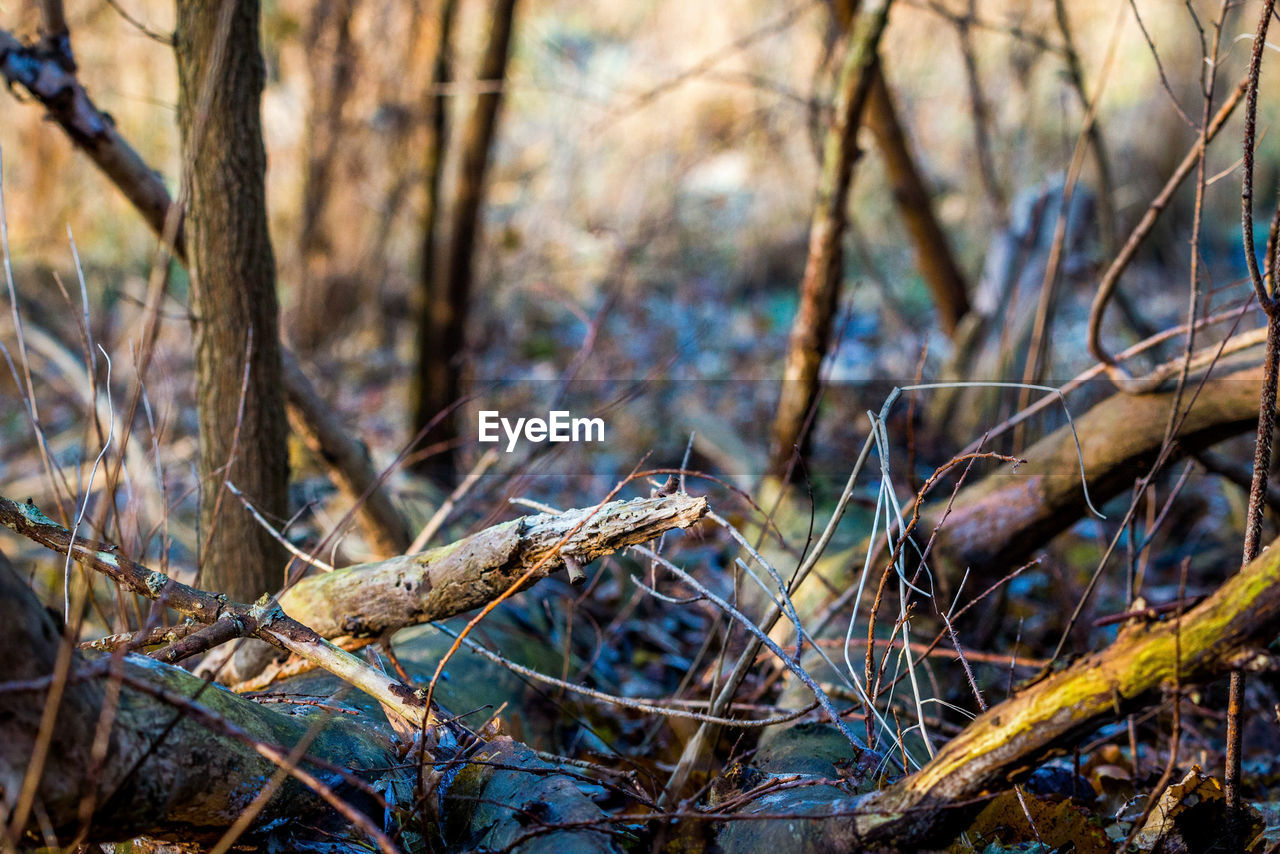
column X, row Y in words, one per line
column 184, row 759
column 1225, row 632
column 998, row 522
column 374, row 598
column 434, row 585
column 164, row 773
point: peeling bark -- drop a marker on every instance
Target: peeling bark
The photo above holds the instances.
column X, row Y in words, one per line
column 371, row 599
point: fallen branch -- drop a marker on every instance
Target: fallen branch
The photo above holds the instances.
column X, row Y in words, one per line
column 184, row 759
column 371, row 599
column 347, row 461
column 264, row 620
column 999, row 521
column 1227, row 631
column 147, row 781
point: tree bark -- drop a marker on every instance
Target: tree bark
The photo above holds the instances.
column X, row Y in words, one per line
column 239, row 391
column 164, row 772
column 820, row 287
column 1228, row 630
column 447, row 292
column 372, row 599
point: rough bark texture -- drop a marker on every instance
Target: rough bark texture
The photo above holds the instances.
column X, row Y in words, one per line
column 447, row 293
column 184, row 783
column 820, row 288
column 466, row 575
column 375, row 598
column 242, row 422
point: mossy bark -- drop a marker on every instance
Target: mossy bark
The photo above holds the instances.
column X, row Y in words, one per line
column 164, row 772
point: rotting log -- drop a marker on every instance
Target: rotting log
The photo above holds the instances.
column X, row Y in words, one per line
column 164, row 773
column 374, row 598
column 494, row 801
column 1226, row 631
column 183, row 759
column 224, row 620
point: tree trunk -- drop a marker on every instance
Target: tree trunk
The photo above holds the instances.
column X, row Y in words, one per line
column 820, row 288
column 346, row 459
column 331, row 72
column 238, row 376
column 447, row 291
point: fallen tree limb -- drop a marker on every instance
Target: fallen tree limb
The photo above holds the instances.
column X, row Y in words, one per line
column 347, row 461
column 183, row 759
column 382, row 597
column 1226, row 631
column 506, row 798
column 264, row 620
column 163, row 773
column 995, row 524
column 998, row 522
column 371, row 599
